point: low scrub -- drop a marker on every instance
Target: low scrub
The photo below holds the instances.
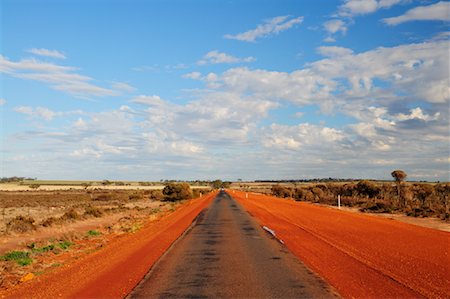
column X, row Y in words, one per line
column 93, row 211
column 21, row 224
column 413, row 199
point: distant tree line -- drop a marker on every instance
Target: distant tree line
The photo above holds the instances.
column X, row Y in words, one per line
column 15, row 179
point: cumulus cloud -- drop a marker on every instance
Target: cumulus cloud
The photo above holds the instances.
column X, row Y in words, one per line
column 216, row 57
column 268, row 28
column 2, row 102
column 439, row 11
column 334, row 26
column 300, row 136
column 47, row 53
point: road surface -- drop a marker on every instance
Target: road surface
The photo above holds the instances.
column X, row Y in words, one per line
column 226, row 254
column 362, row 256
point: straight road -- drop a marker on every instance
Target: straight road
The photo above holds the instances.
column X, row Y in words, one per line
column 226, row 254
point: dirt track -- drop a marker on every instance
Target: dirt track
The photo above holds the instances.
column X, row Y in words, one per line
column 360, row 255
column 115, row 270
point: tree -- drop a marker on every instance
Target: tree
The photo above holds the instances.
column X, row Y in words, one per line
column 399, row 176
column 177, row 191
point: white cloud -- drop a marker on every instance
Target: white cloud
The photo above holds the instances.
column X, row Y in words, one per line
column 439, row 11
column 153, row 100
column 268, row 28
column 334, row 26
column 417, row 113
column 40, row 112
column 361, row 7
column 47, row 53
column 2, row 102
column 300, row 136
column 216, row 57
column 123, row 86
column 43, row 112
column 57, row 76
column 334, row 51
column 193, row 75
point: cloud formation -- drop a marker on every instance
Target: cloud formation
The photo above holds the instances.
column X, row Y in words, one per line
column 439, row 11
column 268, row 28
column 361, row 7
column 216, row 57
column 59, row 77
column 47, row 53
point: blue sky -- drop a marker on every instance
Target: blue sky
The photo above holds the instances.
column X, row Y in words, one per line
column 149, row 90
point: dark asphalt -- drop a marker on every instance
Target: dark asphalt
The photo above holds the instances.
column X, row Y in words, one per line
column 227, row 254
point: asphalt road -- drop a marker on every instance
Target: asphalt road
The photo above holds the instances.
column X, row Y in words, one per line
column 227, row 255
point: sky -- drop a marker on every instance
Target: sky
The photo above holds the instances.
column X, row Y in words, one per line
column 245, row 89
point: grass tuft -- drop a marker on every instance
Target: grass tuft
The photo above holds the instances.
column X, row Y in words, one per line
column 20, row 257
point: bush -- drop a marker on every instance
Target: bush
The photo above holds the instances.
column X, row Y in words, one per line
column 21, row 224
column 135, row 196
column 177, row 191
column 93, row 211
column 280, row 191
column 156, row 195
column 70, row 215
column 366, row 188
column 49, row 222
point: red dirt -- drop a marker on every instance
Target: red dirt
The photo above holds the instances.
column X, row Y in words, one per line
column 360, row 255
column 115, row 270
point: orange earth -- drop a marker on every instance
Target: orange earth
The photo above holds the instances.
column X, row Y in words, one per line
column 116, row 269
column 362, row 256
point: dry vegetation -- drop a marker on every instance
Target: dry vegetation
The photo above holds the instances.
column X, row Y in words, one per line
column 414, row 199
column 45, row 224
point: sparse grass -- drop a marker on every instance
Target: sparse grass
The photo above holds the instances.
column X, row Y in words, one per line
column 20, row 257
column 65, row 245
column 93, row 233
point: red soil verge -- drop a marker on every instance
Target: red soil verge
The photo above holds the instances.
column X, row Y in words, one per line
column 115, row 270
column 360, row 255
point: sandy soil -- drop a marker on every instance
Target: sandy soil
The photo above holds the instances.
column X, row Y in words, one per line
column 121, row 263
column 360, row 255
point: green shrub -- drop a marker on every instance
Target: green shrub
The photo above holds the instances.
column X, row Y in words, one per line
column 65, row 245
column 93, row 233
column 20, row 257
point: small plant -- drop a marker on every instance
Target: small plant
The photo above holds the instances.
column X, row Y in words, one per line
column 65, row 245
column 34, row 186
column 20, row 257
column 93, row 233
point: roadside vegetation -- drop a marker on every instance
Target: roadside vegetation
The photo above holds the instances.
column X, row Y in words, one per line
column 413, row 199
